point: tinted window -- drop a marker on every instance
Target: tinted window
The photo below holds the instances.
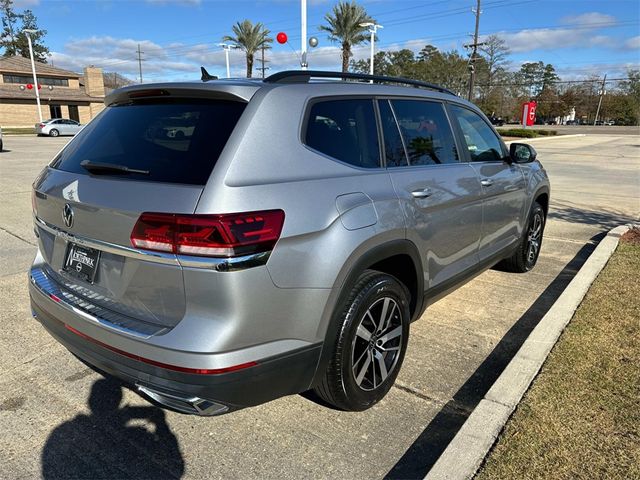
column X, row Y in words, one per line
column 60, row 82
column 426, row 132
column 177, row 141
column 393, row 147
column 483, row 144
column 345, row 130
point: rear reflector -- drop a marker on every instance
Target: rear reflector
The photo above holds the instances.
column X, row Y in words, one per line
column 227, row 235
column 197, row 371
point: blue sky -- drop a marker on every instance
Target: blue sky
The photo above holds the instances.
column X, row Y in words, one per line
column 579, row 37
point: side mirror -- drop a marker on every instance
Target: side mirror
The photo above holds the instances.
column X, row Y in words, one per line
column 522, row 153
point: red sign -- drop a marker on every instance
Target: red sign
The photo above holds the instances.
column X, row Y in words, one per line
column 529, row 113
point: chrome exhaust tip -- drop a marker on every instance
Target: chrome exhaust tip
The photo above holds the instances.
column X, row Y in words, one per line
column 185, row 404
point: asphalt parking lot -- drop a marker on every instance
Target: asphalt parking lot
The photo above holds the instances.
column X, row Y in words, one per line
column 58, row 418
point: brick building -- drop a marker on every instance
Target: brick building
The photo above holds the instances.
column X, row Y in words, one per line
column 63, row 94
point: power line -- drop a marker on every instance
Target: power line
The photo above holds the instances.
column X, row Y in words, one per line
column 556, row 82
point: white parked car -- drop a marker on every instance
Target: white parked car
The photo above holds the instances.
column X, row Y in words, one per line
column 58, row 126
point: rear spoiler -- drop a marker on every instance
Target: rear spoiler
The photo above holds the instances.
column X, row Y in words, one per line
column 212, row 90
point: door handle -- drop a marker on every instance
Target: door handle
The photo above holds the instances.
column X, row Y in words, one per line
column 486, row 182
column 423, row 193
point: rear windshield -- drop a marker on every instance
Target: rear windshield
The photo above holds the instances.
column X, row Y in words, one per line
column 175, row 141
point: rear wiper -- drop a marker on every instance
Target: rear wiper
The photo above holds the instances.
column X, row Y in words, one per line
column 106, row 168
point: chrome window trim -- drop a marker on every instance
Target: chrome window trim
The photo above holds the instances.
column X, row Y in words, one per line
column 219, row 264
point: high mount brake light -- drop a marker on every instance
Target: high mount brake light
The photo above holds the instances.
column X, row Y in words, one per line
column 226, row 235
column 148, row 93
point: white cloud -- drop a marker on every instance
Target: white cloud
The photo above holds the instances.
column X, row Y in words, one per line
column 178, row 2
column 580, row 31
column 179, row 61
column 528, row 40
column 119, row 55
column 633, row 43
column 25, row 3
column 541, row 39
column 590, row 18
column 613, row 70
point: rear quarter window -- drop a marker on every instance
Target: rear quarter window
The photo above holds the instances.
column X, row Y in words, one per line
column 176, row 141
column 345, row 130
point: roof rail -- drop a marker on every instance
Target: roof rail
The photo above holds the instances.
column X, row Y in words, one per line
column 303, row 76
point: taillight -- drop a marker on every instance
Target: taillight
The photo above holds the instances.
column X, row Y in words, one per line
column 227, row 235
column 41, row 125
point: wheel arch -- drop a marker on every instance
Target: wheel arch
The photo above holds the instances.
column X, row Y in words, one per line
column 542, row 197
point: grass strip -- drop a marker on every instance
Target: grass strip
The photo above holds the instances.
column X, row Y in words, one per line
column 18, row 131
column 581, row 417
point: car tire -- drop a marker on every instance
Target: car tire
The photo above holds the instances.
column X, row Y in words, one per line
column 370, row 344
column 526, row 255
column 1, row 146
column 54, row 133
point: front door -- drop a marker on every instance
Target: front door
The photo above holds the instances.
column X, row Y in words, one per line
column 503, row 184
column 440, row 196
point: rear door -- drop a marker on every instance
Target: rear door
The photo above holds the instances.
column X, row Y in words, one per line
column 440, row 196
column 84, row 218
column 57, row 125
column 65, row 127
column 503, row 184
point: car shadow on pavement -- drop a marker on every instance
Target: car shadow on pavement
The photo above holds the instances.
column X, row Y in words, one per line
column 602, row 218
column 427, row 448
column 112, row 441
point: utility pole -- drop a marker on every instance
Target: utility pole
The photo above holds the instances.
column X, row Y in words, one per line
column 474, row 46
column 263, row 68
column 140, row 62
column 602, row 93
column 373, row 29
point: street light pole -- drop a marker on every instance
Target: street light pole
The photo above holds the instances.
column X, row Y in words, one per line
column 33, row 70
column 227, row 48
column 303, row 28
column 373, row 29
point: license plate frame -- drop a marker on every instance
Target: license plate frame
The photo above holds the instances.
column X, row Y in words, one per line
column 81, row 262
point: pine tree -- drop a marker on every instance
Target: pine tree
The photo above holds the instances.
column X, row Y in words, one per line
column 14, row 40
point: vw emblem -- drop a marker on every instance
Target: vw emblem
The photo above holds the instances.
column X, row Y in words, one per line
column 67, row 215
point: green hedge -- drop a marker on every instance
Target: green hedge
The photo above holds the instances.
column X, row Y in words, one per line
column 525, row 133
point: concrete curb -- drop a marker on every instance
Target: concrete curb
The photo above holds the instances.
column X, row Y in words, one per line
column 464, row 455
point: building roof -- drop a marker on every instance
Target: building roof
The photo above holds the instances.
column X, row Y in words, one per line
column 22, row 65
column 13, row 92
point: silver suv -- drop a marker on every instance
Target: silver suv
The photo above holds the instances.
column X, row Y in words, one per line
column 222, row 243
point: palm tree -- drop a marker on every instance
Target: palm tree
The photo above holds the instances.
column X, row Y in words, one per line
column 344, row 27
column 250, row 38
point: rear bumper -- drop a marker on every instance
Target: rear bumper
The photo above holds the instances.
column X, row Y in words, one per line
column 202, row 394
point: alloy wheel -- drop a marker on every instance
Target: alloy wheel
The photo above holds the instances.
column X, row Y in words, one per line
column 376, row 345
column 534, row 237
